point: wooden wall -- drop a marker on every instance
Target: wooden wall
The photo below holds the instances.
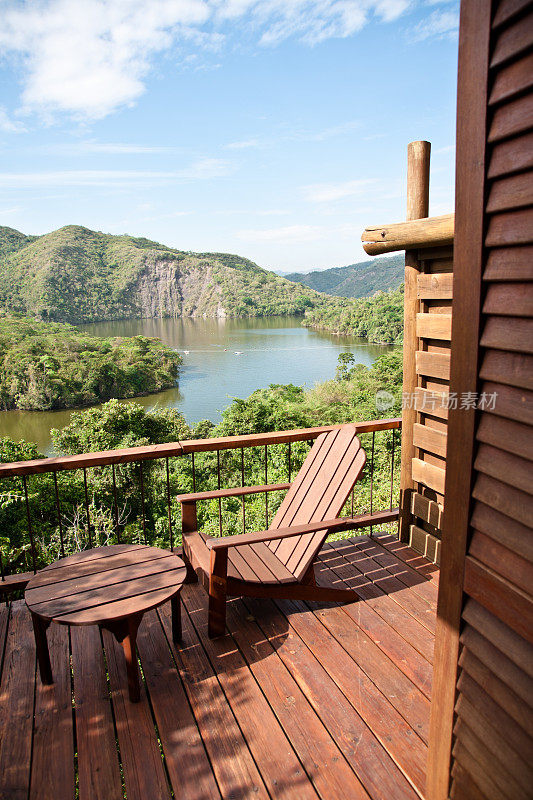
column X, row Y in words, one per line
column 425, row 502
column 481, row 740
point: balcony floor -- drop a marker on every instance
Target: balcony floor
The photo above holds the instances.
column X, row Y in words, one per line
column 298, row 701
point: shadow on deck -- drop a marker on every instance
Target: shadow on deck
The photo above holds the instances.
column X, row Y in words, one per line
column 297, row 701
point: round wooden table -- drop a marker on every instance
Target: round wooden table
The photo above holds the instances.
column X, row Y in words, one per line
column 107, row 586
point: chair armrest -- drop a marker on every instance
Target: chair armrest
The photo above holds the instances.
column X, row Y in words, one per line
column 331, row 525
column 236, row 492
column 281, row 533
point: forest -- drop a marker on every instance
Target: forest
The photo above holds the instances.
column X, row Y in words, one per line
column 51, row 365
column 378, row 318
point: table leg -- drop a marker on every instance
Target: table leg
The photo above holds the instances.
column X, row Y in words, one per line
column 175, row 607
column 41, row 644
column 125, row 632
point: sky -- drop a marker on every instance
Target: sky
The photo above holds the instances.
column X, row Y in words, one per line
column 275, row 129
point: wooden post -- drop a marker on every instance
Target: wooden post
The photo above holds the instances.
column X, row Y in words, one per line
column 418, row 155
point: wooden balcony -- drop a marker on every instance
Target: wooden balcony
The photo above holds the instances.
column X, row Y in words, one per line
column 296, row 701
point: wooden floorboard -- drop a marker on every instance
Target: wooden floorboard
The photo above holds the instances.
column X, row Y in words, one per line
column 379, row 601
column 342, row 656
column 144, row 772
column 382, row 578
column 409, row 556
column 321, row 757
column 371, row 762
column 191, row 777
column 417, row 668
column 98, row 758
column 17, row 694
column 52, row 766
column 235, row 770
column 272, row 751
column 297, row 700
column 388, row 677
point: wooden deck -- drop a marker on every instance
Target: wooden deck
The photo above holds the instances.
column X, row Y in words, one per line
column 297, row 701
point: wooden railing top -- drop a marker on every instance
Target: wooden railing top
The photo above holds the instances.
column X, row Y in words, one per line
column 426, row 232
column 171, row 449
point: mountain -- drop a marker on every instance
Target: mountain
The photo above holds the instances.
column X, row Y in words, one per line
column 355, row 280
column 12, row 240
column 78, row 275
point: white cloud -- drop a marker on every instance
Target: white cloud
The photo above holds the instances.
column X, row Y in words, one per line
column 4, row 211
column 439, row 24
column 9, row 125
column 330, row 133
column 244, row 145
column 299, row 234
column 88, row 58
column 91, row 57
column 290, row 234
column 295, row 136
column 114, row 148
column 91, row 147
column 329, row 192
column 204, row 169
column 449, row 148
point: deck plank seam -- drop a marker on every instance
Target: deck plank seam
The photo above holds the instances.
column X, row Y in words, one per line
column 113, row 715
column 391, row 594
column 359, row 711
column 359, row 574
column 278, row 605
column 275, row 654
column 198, row 631
column 369, row 676
column 302, row 690
column 395, row 632
column 215, row 675
column 354, row 542
column 185, row 693
column 409, row 570
column 154, row 722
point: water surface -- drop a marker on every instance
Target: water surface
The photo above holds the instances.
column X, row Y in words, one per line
column 222, row 359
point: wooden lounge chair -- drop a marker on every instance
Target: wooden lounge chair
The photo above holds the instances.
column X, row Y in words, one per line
column 279, row 562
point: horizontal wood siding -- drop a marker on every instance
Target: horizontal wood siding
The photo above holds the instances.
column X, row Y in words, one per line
column 432, row 358
column 492, row 750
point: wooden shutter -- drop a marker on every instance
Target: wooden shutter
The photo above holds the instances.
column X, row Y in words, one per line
column 481, row 740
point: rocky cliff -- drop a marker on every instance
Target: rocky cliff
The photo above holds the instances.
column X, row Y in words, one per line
column 77, row 275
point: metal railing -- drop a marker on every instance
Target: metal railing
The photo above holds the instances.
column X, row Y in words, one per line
column 54, row 500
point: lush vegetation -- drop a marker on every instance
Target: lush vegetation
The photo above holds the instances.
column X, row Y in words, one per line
column 350, row 396
column 77, row 275
column 49, row 365
column 378, row 318
column 356, row 280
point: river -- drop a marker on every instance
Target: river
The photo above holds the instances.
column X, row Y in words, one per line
column 222, row 359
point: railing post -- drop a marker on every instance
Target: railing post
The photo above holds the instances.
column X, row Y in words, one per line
column 418, row 156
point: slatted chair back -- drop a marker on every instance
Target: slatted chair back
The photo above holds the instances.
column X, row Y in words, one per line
column 318, row 492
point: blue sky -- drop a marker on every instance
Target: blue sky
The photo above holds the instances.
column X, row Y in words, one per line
column 276, row 129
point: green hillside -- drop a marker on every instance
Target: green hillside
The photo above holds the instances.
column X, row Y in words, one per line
column 378, row 319
column 12, row 240
column 356, row 280
column 47, row 365
column 78, row 275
